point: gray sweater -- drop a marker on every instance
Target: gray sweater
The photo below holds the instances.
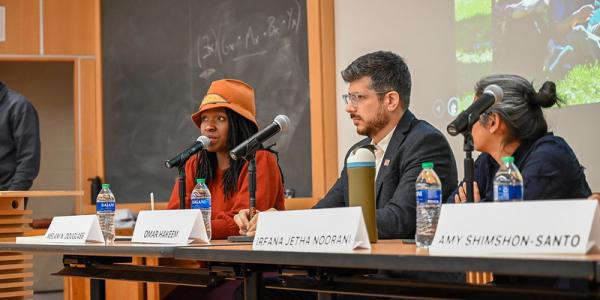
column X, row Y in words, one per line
column 19, row 141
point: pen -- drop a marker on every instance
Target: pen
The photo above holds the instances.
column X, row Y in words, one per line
column 151, row 201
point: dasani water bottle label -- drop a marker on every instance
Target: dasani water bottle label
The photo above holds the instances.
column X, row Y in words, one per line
column 105, row 207
column 200, row 203
column 508, row 192
column 429, row 196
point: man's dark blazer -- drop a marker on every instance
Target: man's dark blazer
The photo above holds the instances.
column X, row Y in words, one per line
column 413, row 142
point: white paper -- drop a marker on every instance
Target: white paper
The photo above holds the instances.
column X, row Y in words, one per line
column 313, row 230
column 74, row 230
column 550, row 227
column 594, row 239
column 95, row 234
column 177, row 227
column 37, row 239
column 2, row 24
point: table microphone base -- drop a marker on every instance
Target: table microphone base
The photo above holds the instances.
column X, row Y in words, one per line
column 240, row 238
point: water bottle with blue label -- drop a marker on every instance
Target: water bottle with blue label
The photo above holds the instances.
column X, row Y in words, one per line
column 201, row 200
column 429, row 204
column 508, row 182
column 105, row 210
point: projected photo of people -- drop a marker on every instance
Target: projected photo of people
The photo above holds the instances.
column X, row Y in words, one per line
column 550, row 40
column 556, row 40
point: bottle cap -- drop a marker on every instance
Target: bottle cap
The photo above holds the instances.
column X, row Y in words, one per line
column 427, row 165
column 508, row 159
column 105, row 185
column 200, row 180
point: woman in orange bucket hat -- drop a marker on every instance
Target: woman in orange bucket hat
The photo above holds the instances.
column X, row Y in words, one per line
column 227, row 116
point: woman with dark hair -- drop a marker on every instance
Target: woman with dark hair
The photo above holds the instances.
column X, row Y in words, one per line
column 516, row 127
column 227, row 116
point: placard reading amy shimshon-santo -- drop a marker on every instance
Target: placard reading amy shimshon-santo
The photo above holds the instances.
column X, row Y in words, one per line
column 565, row 226
column 312, row 230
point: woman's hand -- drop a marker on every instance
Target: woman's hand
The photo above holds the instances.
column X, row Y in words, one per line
column 461, row 196
column 242, row 220
column 247, row 226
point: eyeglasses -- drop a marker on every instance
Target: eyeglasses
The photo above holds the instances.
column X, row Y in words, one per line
column 355, row 98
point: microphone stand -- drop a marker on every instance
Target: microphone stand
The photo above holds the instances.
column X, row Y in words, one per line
column 250, row 158
column 252, row 184
column 468, row 162
column 181, row 179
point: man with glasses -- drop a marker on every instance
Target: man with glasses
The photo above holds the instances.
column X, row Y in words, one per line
column 377, row 102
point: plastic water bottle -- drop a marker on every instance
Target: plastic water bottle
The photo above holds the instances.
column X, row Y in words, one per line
column 105, row 210
column 429, row 204
column 201, row 200
column 508, row 182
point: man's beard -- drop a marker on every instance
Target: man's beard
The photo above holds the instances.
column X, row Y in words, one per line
column 375, row 125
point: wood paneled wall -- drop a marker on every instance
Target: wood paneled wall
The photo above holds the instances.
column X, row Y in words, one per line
column 69, row 27
column 65, row 30
column 22, row 27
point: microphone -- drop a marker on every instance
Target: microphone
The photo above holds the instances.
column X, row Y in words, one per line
column 201, row 143
column 467, row 118
column 253, row 143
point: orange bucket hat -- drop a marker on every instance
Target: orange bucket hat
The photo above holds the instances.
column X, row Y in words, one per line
column 229, row 93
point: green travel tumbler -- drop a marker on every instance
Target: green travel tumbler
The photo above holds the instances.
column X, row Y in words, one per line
column 360, row 167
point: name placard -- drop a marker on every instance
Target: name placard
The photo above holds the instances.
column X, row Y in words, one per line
column 74, row 230
column 178, row 227
column 550, row 227
column 312, row 230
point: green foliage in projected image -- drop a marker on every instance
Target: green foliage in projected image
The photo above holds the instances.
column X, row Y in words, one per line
column 479, row 56
column 474, row 51
column 464, row 9
column 581, row 85
column 465, row 100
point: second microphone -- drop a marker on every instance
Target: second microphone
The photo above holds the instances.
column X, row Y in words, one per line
column 201, row 143
column 254, row 143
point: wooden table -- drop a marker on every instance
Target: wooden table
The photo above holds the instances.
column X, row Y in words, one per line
column 331, row 273
column 117, row 262
column 394, row 256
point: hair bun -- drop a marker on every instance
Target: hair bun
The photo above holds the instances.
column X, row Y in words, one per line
column 546, row 96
